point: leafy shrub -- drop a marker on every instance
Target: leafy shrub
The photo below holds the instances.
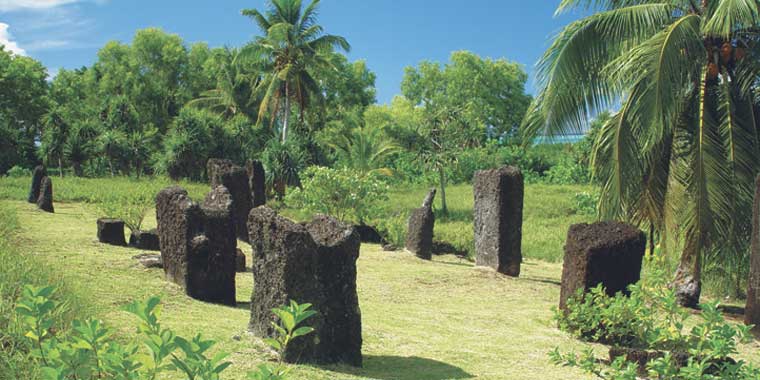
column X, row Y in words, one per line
column 568, row 171
column 18, row 172
column 88, row 351
column 586, row 203
column 282, row 163
column 341, row 193
column 290, row 318
column 393, row 229
column 131, row 207
column 651, row 319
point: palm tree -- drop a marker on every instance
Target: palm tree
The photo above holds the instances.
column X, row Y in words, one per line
column 235, row 84
column 365, row 150
column 53, row 139
column 112, row 144
column 293, row 46
column 682, row 151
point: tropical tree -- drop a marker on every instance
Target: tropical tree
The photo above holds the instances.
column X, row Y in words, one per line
column 682, row 151
column 292, row 48
column 55, row 132
column 236, row 81
column 365, row 150
column 112, row 145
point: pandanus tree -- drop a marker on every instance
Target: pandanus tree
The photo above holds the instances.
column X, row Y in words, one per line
column 682, row 150
column 292, row 48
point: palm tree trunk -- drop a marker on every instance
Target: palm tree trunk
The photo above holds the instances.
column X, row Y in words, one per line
column 688, row 279
column 286, row 117
column 442, row 178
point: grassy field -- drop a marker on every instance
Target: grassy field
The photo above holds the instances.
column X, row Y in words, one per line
column 549, row 209
column 421, row 320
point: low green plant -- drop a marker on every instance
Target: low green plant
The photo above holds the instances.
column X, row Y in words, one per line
column 18, row 172
column 288, row 328
column 650, row 319
column 87, row 350
column 131, row 207
column 393, row 228
column 342, row 193
column 586, row 203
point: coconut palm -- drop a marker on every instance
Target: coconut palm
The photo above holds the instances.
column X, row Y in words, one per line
column 292, row 48
column 235, row 84
column 365, row 150
column 682, row 151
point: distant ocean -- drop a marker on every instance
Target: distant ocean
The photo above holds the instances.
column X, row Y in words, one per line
column 560, row 139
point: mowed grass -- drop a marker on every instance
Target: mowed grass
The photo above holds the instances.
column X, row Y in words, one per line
column 548, row 211
column 421, row 320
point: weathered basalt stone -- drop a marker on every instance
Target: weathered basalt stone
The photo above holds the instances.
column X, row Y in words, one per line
column 257, row 182
column 284, row 269
column 752, row 309
column 498, row 219
column 308, row 263
column 45, row 200
column 197, row 245
column 419, row 232
column 111, row 231
column 240, row 261
column 235, row 179
column 340, row 338
column 146, row 240
column 149, row 260
column 34, row 191
column 369, row 234
column 606, row 253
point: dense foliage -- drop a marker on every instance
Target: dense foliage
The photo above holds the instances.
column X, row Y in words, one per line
column 651, row 320
column 685, row 76
column 344, row 194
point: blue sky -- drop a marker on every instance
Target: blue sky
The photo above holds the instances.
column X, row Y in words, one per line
column 388, row 34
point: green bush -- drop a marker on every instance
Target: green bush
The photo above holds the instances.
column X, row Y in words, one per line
column 586, row 203
column 87, row 350
column 290, row 318
column 282, row 163
column 19, row 172
column 131, row 207
column 651, row 319
column 393, row 229
column 341, row 193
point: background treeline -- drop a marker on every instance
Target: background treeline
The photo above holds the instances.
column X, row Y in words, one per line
column 161, row 106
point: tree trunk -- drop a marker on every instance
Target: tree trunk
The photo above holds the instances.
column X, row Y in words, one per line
column 442, row 178
column 688, row 278
column 110, row 166
column 286, row 117
column 651, row 238
column 60, row 166
column 77, row 168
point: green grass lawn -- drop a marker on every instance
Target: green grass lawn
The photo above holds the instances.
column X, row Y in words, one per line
column 421, row 320
column 436, row 320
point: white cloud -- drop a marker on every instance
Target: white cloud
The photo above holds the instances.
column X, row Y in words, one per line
column 5, row 39
column 14, row 5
